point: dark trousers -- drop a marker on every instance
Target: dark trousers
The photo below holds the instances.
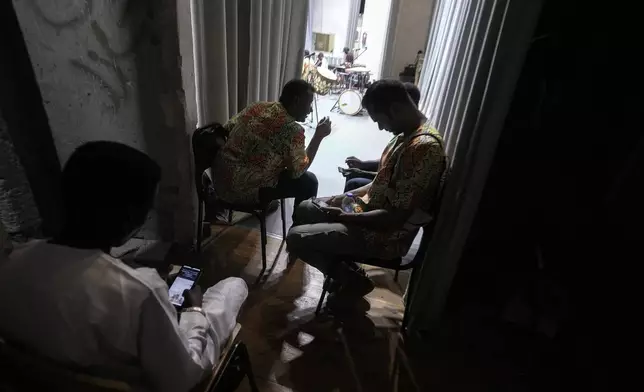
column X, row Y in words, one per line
column 302, row 188
column 355, row 181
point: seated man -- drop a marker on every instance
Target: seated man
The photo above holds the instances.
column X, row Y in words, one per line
column 69, row 301
column 360, row 173
column 348, row 57
column 264, row 158
column 396, row 204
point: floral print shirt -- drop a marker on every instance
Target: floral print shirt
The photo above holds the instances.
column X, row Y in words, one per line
column 264, row 141
column 410, row 171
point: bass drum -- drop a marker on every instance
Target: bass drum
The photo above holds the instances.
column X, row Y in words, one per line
column 350, row 102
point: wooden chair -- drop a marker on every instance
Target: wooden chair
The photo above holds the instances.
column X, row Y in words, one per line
column 206, row 143
column 23, row 370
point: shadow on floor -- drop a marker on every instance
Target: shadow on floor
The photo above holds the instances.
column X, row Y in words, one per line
column 292, row 350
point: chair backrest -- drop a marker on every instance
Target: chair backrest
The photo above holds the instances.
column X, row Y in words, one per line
column 206, row 142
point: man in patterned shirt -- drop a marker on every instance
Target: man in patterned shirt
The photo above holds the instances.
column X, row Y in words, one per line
column 395, row 204
column 264, row 157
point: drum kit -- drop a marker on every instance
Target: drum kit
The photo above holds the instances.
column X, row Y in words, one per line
column 349, row 83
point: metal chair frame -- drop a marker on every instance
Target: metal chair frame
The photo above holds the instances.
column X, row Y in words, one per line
column 204, row 184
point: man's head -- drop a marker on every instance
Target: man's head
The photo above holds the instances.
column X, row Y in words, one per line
column 413, row 91
column 108, row 190
column 297, row 97
column 345, row 50
column 306, row 53
column 320, row 56
column 390, row 105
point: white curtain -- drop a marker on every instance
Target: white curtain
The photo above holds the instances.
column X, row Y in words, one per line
column 245, row 51
column 453, row 60
column 354, row 12
column 474, row 57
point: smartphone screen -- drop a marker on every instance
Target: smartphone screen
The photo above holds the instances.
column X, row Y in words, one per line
column 184, row 281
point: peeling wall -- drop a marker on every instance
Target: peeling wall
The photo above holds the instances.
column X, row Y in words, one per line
column 18, row 211
column 111, row 70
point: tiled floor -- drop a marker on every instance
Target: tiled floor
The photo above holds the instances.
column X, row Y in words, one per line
column 291, row 350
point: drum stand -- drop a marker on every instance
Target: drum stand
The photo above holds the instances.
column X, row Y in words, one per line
column 310, row 123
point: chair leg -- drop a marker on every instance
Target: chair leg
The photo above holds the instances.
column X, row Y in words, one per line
column 396, row 276
column 262, row 227
column 325, row 288
column 410, row 297
column 248, row 368
column 230, row 217
column 283, row 218
column 200, row 219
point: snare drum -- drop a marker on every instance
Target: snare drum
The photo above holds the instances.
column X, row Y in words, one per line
column 350, row 102
column 323, row 80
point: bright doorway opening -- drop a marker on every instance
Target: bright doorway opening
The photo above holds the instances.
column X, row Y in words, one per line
column 337, row 31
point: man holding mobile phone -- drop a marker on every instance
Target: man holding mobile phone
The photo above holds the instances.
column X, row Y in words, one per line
column 361, row 173
column 396, row 203
column 84, row 309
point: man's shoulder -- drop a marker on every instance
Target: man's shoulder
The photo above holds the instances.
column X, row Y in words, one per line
column 143, row 281
column 429, row 134
column 427, row 139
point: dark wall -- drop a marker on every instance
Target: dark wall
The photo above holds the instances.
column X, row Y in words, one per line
column 560, row 221
column 27, row 127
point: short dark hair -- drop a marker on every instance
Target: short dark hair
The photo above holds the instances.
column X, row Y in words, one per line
column 383, row 93
column 108, row 188
column 346, row 49
column 294, row 89
column 413, row 91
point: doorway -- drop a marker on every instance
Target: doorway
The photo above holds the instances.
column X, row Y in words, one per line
column 361, row 26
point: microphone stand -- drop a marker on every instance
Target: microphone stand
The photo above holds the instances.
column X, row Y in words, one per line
column 311, row 123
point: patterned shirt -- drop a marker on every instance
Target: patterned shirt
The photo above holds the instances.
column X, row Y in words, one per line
column 264, row 141
column 410, row 171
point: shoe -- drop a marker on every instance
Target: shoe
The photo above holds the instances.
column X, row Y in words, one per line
column 354, row 283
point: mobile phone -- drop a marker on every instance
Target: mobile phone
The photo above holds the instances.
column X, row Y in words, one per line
column 185, row 280
column 319, row 203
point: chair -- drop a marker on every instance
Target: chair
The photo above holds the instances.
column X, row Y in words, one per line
column 23, row 370
column 399, row 264
column 206, row 142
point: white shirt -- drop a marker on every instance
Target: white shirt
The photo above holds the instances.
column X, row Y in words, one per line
column 86, row 308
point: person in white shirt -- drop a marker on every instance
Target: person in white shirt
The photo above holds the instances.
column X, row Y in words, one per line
column 69, row 301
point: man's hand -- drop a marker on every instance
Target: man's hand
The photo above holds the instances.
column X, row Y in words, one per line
column 335, row 201
column 332, row 211
column 193, row 297
column 323, row 129
column 352, row 170
column 354, row 162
